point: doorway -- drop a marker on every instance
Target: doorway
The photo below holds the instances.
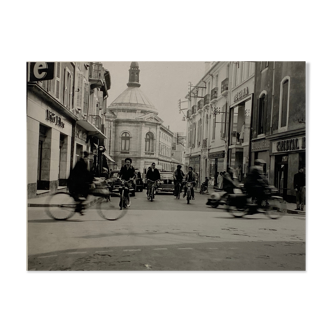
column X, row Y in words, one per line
column 281, row 174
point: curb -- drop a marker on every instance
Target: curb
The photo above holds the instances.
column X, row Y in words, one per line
column 296, row 212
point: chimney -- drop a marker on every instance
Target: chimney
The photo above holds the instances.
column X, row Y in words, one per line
column 207, row 66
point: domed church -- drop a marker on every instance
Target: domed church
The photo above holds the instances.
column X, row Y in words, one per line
column 135, row 130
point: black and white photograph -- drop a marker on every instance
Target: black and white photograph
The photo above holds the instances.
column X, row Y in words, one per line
column 166, row 166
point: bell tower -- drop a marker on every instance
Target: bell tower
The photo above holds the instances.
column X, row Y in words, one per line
column 134, row 75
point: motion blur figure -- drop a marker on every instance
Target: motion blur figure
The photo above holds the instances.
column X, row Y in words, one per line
column 299, row 186
column 228, row 181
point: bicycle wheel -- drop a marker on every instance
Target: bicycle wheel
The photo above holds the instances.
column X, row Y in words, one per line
column 108, row 208
column 61, row 206
column 276, row 208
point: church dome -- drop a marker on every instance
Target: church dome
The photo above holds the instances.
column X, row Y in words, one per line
column 133, row 97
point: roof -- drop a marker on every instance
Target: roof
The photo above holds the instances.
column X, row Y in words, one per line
column 133, row 97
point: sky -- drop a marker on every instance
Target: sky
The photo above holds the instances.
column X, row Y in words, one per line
column 164, row 83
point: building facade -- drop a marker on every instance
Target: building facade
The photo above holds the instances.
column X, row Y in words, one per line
column 279, row 122
column 136, row 130
column 59, row 121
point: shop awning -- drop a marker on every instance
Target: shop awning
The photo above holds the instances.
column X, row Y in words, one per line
column 108, row 157
column 91, row 129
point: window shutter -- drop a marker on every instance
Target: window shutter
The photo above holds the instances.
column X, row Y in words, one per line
column 57, row 81
column 86, row 98
column 266, row 126
column 65, row 89
column 257, row 124
column 71, row 95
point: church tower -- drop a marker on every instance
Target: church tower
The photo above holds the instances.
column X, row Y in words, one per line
column 134, row 75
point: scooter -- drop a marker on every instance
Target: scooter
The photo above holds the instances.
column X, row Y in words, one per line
column 272, row 205
column 219, row 197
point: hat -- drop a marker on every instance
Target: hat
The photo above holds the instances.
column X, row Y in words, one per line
column 86, row 154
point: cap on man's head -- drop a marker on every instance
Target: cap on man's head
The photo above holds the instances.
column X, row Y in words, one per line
column 129, row 160
column 179, row 166
column 86, row 154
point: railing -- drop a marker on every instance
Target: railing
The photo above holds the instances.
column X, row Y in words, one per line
column 207, row 99
column 214, row 93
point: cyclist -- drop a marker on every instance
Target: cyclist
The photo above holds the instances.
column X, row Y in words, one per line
column 256, row 182
column 79, row 181
column 153, row 175
column 127, row 173
column 190, row 177
column 178, row 176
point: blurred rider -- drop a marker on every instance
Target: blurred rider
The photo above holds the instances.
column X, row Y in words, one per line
column 256, row 182
column 190, row 177
column 229, row 182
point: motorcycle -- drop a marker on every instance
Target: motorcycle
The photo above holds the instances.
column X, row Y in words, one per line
column 152, row 190
column 272, row 204
column 219, row 196
column 190, row 188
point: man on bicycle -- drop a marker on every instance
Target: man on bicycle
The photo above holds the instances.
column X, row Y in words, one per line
column 178, row 176
column 127, row 173
column 190, row 177
column 153, row 175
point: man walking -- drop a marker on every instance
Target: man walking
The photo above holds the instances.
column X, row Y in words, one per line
column 299, row 186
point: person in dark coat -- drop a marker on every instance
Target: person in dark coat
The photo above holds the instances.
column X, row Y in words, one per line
column 299, row 186
column 79, row 180
column 153, row 175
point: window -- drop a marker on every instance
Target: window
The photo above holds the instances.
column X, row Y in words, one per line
column 284, row 103
column 149, row 142
column 67, row 89
column 223, row 122
column 245, row 72
column 79, row 91
column 57, row 80
column 264, row 64
column 214, row 127
column 216, row 82
column 125, row 142
column 262, row 107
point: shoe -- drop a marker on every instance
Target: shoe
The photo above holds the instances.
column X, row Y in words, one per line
column 193, row 198
column 128, row 204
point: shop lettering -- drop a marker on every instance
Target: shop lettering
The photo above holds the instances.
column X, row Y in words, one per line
column 50, row 116
column 241, row 94
column 288, row 145
column 41, row 71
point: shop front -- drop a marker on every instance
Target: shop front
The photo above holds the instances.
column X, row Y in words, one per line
column 194, row 162
column 260, row 149
column 217, row 164
column 288, row 156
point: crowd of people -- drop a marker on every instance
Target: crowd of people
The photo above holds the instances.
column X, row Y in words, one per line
column 80, row 180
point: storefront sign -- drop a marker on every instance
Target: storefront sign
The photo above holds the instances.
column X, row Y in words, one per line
column 241, row 94
column 41, row 71
column 260, row 145
column 291, row 144
column 217, row 155
column 53, row 118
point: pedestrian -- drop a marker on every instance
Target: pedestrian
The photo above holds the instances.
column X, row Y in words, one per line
column 219, row 180
column 299, row 186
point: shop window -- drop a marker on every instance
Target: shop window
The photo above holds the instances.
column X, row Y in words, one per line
column 125, row 142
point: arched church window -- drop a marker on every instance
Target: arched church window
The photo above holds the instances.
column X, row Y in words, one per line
column 149, row 142
column 125, row 141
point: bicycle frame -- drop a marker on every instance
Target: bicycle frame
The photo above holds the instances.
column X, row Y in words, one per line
column 151, row 189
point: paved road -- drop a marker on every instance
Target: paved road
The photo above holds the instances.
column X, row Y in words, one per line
column 166, row 234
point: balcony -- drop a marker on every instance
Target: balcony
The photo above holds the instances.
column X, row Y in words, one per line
column 214, row 93
column 194, row 109
column 96, row 121
column 200, row 104
column 224, row 87
column 206, row 99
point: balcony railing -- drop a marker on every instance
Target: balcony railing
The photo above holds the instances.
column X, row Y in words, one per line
column 200, row 104
column 207, row 99
column 95, row 120
column 214, row 93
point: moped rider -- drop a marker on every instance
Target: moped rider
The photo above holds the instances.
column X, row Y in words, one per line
column 127, row 173
column 256, row 182
column 190, row 177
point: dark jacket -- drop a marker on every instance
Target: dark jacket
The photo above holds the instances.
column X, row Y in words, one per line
column 153, row 175
column 228, row 183
column 190, row 177
column 178, row 175
column 299, row 180
column 126, row 174
column 256, row 178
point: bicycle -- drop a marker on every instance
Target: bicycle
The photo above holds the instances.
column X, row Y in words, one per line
column 189, row 186
column 124, row 200
column 62, row 205
column 151, row 190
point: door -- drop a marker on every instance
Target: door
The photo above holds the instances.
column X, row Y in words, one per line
column 281, row 175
